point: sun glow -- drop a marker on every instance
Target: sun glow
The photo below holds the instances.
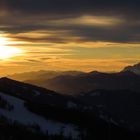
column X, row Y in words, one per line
column 7, row 51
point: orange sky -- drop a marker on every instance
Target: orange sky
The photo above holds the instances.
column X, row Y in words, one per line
column 72, row 55
column 63, row 35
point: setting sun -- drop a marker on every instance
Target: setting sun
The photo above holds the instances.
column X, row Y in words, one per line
column 3, row 41
column 7, row 51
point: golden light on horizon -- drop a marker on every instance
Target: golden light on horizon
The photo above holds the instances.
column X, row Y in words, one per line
column 7, row 51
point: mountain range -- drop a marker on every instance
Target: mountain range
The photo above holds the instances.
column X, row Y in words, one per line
column 76, row 82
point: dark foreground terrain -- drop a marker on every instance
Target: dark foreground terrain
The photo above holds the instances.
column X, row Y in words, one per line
column 31, row 112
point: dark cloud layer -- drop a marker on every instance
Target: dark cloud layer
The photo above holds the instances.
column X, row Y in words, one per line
column 122, row 7
column 29, row 15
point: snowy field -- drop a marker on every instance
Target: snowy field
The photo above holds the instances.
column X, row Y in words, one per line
column 24, row 116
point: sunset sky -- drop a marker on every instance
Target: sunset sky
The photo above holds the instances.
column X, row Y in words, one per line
column 82, row 35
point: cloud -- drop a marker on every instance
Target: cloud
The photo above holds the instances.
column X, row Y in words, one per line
column 68, row 7
column 32, row 60
column 98, row 20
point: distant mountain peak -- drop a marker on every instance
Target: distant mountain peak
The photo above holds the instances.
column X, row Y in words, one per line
column 95, row 72
column 135, row 68
column 5, row 79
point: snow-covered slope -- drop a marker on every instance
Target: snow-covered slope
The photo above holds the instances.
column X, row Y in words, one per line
column 24, row 116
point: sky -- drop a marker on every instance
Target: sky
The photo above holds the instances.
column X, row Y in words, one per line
column 84, row 35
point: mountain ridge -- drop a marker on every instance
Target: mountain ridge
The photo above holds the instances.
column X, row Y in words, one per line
column 91, row 81
column 134, row 68
column 75, row 82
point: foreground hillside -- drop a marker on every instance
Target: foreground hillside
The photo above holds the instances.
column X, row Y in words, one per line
column 21, row 114
column 47, row 114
